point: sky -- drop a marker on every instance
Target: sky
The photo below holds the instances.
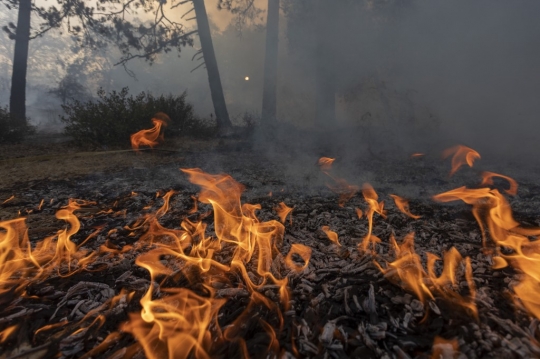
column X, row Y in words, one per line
column 464, row 71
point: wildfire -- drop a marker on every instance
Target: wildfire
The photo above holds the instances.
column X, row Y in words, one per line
column 150, row 137
column 239, row 255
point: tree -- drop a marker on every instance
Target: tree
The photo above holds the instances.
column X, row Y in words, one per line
column 207, row 47
column 17, row 100
column 269, row 104
column 92, row 27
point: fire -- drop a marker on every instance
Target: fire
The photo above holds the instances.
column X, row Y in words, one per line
column 407, row 269
column 333, row 236
column 460, row 155
column 176, row 326
column 403, row 205
column 283, row 211
column 303, row 252
column 179, row 324
column 20, row 263
column 494, row 216
column 487, row 179
column 443, row 348
column 325, row 163
column 150, row 137
column 340, row 186
column 371, row 198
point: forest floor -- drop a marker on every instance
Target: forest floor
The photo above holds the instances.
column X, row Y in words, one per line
column 341, row 304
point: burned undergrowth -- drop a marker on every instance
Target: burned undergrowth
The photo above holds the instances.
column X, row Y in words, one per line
column 340, row 301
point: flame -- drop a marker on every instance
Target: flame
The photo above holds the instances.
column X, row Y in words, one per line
column 333, row 236
column 371, row 198
column 494, row 216
column 175, row 326
column 9, row 199
column 487, row 179
column 150, row 137
column 407, row 270
column 443, row 348
column 460, row 155
column 6, row 333
column 20, row 263
column 303, row 252
column 325, row 163
column 180, row 322
column 340, row 186
column 403, row 206
column 283, row 211
column 417, row 154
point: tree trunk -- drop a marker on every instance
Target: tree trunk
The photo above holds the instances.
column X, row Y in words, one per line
column 269, row 104
column 216, row 90
column 325, row 77
column 17, row 101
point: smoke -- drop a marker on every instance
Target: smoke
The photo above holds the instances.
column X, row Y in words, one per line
column 408, row 76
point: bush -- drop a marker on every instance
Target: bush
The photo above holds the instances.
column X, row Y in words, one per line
column 114, row 117
column 11, row 130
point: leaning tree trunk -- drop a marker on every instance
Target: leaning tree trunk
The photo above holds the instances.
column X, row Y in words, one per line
column 269, row 104
column 17, row 101
column 216, row 90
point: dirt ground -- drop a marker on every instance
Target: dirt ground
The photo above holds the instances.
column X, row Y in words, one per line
column 41, row 160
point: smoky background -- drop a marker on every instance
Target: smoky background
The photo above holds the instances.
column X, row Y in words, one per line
column 406, row 76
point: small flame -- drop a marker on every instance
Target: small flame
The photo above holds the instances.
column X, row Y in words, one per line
column 460, row 155
column 303, row 252
column 487, row 179
column 283, row 211
column 371, row 198
column 325, row 163
column 403, row 205
column 333, row 236
column 443, row 348
column 152, row 136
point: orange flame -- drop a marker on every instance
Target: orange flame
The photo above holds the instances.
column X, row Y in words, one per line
column 403, row 205
column 371, row 198
column 460, row 155
column 283, row 211
column 407, row 269
column 325, row 163
column 333, row 236
column 443, row 348
column 150, row 137
column 487, row 179
column 303, row 252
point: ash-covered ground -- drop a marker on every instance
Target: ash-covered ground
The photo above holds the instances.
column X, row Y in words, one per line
column 341, row 305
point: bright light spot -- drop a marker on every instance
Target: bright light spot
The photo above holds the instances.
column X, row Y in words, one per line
column 246, row 78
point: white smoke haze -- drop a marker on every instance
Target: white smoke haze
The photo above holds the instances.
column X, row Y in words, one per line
column 418, row 76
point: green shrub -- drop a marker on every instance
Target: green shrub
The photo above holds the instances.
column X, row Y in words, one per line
column 11, row 130
column 114, row 117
